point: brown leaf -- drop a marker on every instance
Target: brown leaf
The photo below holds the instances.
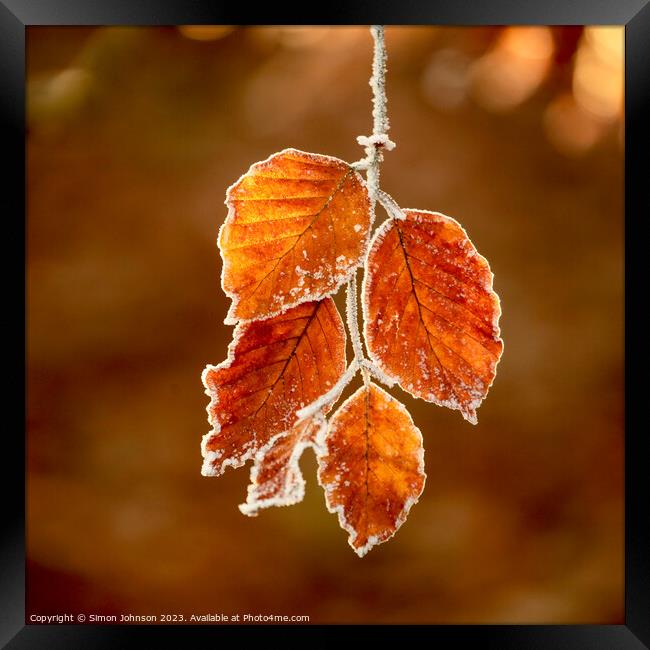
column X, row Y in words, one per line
column 371, row 466
column 431, row 316
column 276, row 479
column 274, row 367
column 297, row 227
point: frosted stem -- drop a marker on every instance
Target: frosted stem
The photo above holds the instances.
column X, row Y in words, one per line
column 390, row 205
column 378, row 82
column 380, row 376
column 378, row 141
column 353, row 326
column 374, row 146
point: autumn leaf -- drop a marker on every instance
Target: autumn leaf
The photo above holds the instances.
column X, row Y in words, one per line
column 276, row 479
column 297, row 226
column 371, row 466
column 274, row 367
column 431, row 316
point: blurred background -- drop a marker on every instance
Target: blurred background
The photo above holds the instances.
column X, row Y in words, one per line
column 134, row 134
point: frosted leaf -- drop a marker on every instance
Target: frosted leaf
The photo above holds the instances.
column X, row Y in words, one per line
column 430, row 313
column 371, row 466
column 276, row 479
column 274, row 368
column 295, row 209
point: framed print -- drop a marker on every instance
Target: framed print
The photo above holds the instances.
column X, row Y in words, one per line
column 328, row 321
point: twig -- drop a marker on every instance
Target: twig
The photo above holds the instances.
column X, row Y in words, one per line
column 378, row 82
column 353, row 326
column 374, row 145
column 379, row 140
column 390, row 205
column 380, row 376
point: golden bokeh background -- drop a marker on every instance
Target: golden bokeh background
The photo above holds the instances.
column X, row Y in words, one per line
column 134, row 135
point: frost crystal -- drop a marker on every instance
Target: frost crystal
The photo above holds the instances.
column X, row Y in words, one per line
column 379, row 140
column 390, row 205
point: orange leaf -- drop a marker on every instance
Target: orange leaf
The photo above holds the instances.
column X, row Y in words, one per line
column 274, row 367
column 431, row 316
column 297, row 227
column 276, row 479
column 371, row 466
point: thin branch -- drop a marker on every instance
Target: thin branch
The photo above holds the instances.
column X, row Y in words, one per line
column 379, row 140
column 390, row 205
column 378, row 82
column 375, row 145
column 378, row 374
column 353, row 326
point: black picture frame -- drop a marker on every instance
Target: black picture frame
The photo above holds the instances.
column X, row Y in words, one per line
column 16, row 15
